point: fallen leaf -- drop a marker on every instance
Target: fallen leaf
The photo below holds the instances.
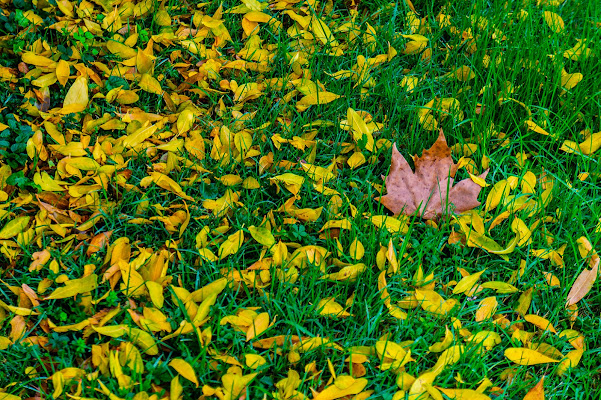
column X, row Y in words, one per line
column 586, row 279
column 537, row 392
column 430, row 190
column 524, row 356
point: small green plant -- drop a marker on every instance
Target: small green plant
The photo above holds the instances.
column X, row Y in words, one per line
column 13, row 141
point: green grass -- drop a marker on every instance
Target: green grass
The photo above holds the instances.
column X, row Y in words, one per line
column 519, row 53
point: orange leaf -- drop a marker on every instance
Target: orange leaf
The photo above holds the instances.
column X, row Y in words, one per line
column 98, row 242
column 537, row 392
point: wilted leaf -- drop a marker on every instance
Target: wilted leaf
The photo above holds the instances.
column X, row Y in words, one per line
column 430, row 190
column 586, row 279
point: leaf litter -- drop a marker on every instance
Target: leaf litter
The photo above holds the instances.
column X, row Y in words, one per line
column 106, row 305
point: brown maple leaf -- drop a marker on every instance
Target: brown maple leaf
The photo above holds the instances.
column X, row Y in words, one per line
column 429, row 190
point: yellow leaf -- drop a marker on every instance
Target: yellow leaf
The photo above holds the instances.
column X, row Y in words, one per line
column 487, row 339
column 184, row 369
column 590, row 145
column 75, row 287
column 214, row 287
column 554, row 21
column 444, row 344
column 340, row 224
column 231, row 245
column 523, row 356
column 342, row 387
column 356, row 160
column 139, row 136
column 359, row 129
column 259, row 325
column 432, row 302
column 316, row 98
column 499, row 191
column 18, row 310
column 144, row 340
column 499, row 287
column 155, row 291
column 540, row 322
column 185, row 120
column 488, row 307
column 391, row 224
column 169, row 184
column 254, row 361
column 348, row 273
column 47, row 183
column 464, row 73
column 322, row 31
column 571, row 360
column 329, row 307
column 14, row 227
column 175, row 389
column 62, row 72
column 262, row 235
column 409, row 83
column 467, row 283
column 76, row 99
column 533, row 126
column 569, row 81
column 8, row 396
column 121, row 49
column 149, row 84
column 463, row 394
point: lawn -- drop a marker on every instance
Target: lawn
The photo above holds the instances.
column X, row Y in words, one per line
column 194, row 200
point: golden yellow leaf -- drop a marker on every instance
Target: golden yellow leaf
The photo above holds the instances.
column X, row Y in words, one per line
column 359, row 129
column 184, row 369
column 554, row 21
column 571, row 360
column 487, row 339
column 254, row 361
column 499, row 287
column 330, row 308
column 231, row 245
column 540, row 322
column 533, row 126
column 524, row 356
column 62, row 72
column 590, row 145
column 259, row 325
column 343, row 386
column 488, row 307
column 316, row 98
column 13, row 227
column 463, row 394
column 76, row 99
column 149, row 84
column 262, row 235
column 467, row 283
column 74, row 287
column 169, row 184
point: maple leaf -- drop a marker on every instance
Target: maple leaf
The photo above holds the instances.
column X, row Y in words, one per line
column 430, row 189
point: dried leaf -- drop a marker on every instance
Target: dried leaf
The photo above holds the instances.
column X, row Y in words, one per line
column 430, row 190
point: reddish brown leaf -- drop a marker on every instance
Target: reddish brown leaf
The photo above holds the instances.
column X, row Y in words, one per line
column 429, row 190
